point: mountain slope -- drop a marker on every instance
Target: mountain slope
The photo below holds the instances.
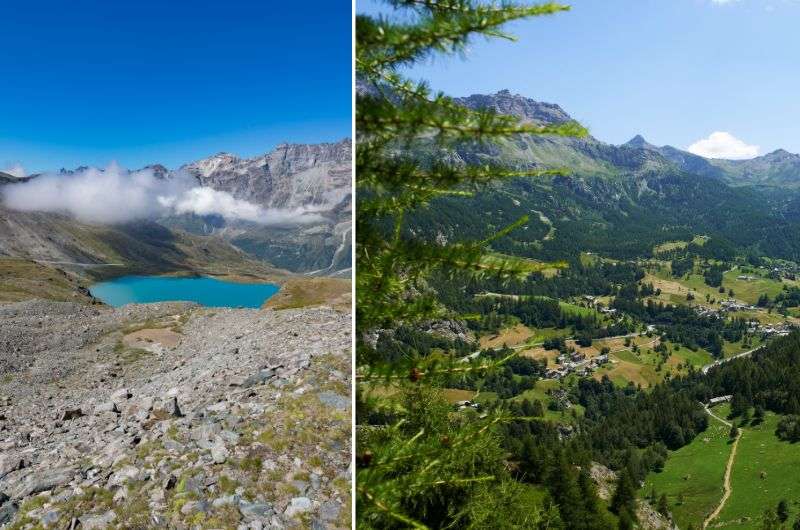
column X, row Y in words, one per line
column 91, row 252
column 293, row 177
column 616, row 200
column 780, row 169
column 315, row 178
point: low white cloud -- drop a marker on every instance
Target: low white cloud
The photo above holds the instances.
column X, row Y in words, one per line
column 721, row 144
column 15, row 170
column 114, row 196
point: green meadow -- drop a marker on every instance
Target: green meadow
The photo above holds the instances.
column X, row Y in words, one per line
column 766, row 470
column 693, row 476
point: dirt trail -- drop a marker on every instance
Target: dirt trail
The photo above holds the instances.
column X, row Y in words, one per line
column 728, row 469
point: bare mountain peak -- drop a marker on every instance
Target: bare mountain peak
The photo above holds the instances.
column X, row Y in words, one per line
column 638, row 141
column 527, row 109
column 781, row 154
column 289, row 176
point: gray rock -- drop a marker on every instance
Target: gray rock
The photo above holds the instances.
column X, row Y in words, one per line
column 169, row 407
column 205, row 434
column 50, row 518
column 194, row 484
column 7, row 512
column 227, row 500
column 259, row 378
column 329, row 511
column 71, row 414
column 301, row 486
column 122, row 476
column 121, row 395
column 173, row 446
column 194, row 506
column 219, row 452
column 106, row 406
column 254, row 510
column 42, row 480
column 297, row 506
column 97, row 522
column 334, row 400
column 10, row 462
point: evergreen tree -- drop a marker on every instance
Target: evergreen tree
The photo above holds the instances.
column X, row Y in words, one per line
column 624, row 498
column 782, row 511
column 734, row 433
column 663, row 505
column 417, row 466
column 626, row 521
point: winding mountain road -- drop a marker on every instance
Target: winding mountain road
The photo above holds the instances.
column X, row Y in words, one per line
column 76, row 264
column 708, row 367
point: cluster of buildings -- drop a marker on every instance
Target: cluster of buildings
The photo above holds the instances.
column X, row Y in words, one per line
column 729, row 305
column 755, row 327
column 576, row 363
column 776, row 330
column 592, row 302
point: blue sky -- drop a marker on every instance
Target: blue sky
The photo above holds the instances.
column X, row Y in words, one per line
column 675, row 71
column 91, row 81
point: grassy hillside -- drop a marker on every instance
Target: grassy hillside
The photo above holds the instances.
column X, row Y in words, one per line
column 23, row 279
column 316, row 291
column 692, row 477
column 764, row 472
column 141, row 247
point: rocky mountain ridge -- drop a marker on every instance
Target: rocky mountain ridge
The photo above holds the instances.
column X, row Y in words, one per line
column 778, row 169
column 290, row 176
column 314, row 178
column 295, row 177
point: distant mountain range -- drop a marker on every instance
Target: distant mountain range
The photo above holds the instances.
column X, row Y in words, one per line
column 618, row 200
column 291, row 176
column 777, row 169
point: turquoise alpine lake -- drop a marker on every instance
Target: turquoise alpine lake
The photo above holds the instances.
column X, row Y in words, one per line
column 205, row 291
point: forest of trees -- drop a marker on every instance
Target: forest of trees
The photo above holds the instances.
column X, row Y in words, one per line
column 766, row 379
column 420, row 250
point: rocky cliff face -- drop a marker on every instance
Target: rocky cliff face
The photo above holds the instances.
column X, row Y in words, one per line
column 292, row 176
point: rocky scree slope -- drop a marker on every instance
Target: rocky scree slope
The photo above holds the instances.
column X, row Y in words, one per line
column 173, row 416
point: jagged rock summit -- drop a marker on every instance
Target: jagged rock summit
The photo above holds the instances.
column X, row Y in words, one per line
column 527, row 109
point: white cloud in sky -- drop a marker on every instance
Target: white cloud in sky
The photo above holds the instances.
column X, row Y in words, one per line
column 114, row 195
column 15, row 170
column 722, row 144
